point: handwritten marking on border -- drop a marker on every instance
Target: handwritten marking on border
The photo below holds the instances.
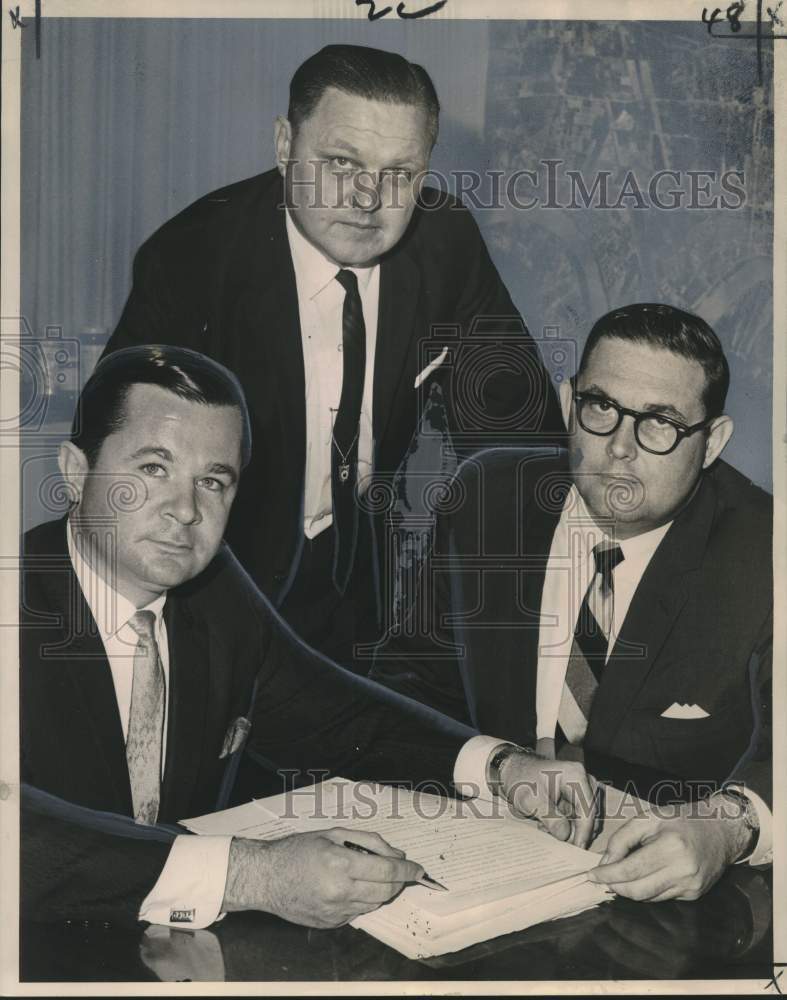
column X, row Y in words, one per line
column 401, row 9
column 732, row 16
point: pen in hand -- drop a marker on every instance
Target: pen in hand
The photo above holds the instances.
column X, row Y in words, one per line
column 425, row 879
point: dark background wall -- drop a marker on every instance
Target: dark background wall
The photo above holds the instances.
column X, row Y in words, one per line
column 126, row 121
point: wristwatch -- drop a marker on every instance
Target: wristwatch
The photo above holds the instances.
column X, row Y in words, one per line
column 746, row 811
column 496, row 761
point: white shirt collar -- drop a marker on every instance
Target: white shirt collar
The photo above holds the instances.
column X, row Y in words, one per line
column 313, row 270
column 110, row 609
column 638, row 548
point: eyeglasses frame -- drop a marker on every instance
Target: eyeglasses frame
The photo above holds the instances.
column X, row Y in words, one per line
column 683, row 430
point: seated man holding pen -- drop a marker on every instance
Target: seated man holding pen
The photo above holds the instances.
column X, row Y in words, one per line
column 149, row 659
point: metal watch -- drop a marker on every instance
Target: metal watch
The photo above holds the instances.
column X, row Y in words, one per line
column 747, row 811
column 500, row 755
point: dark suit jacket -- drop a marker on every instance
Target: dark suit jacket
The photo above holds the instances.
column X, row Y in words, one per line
column 81, row 856
column 218, row 278
column 698, row 630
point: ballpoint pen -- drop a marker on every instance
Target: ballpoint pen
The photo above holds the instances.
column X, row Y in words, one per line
column 425, row 879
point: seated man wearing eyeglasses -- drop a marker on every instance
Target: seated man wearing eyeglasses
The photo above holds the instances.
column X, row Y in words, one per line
column 616, row 599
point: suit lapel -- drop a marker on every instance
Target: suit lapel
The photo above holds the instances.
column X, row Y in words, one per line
column 264, row 301
column 400, row 283
column 656, row 604
column 92, row 678
column 90, row 688
column 261, row 342
column 189, row 678
column 501, row 666
column 537, row 525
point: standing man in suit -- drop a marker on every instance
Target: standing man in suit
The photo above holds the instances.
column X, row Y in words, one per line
column 617, row 599
column 148, row 657
column 341, row 291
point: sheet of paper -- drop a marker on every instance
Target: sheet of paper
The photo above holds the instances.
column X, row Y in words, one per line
column 503, row 874
column 416, row 931
column 249, row 820
column 477, row 849
column 415, row 937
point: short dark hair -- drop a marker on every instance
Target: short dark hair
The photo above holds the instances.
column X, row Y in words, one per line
column 364, row 72
column 188, row 374
column 674, row 330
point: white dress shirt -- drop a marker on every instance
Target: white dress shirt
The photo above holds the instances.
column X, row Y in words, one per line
column 194, row 875
column 320, row 306
column 570, row 568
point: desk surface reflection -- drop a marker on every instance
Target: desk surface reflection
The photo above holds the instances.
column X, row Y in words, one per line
column 727, row 934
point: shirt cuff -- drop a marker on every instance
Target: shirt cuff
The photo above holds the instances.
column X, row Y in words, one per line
column 471, row 763
column 763, row 852
column 190, row 888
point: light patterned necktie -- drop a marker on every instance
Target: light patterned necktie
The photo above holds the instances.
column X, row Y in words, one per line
column 589, row 648
column 146, row 721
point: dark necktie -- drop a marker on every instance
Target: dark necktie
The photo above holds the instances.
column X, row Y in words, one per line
column 346, row 428
column 146, row 721
column 589, row 648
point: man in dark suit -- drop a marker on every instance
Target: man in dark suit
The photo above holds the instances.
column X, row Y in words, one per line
column 341, row 291
column 148, row 657
column 617, row 600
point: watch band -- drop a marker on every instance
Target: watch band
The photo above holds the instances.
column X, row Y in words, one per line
column 495, row 762
column 747, row 811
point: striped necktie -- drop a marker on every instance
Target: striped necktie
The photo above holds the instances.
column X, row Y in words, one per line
column 589, row 648
column 146, row 720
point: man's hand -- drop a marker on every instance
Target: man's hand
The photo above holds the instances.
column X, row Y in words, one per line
column 560, row 794
column 678, row 856
column 312, row 879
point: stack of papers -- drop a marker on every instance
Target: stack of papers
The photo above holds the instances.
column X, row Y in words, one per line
column 503, row 874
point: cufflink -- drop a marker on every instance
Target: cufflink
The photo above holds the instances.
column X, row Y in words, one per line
column 235, row 736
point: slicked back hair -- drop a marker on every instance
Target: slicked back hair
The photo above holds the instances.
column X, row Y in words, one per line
column 374, row 74
column 670, row 329
column 188, row 374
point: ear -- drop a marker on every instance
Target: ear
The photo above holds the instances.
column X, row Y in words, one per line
column 73, row 465
column 566, row 394
column 720, row 433
column 282, row 138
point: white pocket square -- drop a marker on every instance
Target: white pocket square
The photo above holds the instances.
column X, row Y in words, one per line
column 430, row 367
column 683, row 711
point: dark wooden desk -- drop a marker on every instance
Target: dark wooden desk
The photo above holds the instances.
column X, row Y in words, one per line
column 726, row 934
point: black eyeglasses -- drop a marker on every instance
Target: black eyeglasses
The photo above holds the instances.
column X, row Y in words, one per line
column 653, row 431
